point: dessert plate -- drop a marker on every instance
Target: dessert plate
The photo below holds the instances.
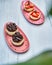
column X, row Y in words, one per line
column 27, row 14
column 19, row 49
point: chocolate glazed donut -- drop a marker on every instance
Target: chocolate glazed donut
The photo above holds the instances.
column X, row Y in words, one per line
column 17, row 39
column 11, row 27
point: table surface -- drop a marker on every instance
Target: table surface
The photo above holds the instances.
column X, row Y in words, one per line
column 40, row 37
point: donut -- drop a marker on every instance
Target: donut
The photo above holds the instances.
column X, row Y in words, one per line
column 17, row 39
column 11, row 28
column 35, row 15
column 28, row 6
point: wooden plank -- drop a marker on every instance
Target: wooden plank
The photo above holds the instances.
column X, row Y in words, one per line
column 8, row 12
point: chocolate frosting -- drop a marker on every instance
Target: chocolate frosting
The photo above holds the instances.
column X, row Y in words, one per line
column 11, row 27
column 17, row 37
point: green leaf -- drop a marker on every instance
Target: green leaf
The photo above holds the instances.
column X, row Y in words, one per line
column 43, row 59
column 50, row 12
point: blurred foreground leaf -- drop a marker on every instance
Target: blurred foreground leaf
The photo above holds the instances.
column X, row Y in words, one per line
column 43, row 59
column 50, row 12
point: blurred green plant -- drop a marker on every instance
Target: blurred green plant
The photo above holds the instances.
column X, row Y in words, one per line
column 50, row 11
column 43, row 59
